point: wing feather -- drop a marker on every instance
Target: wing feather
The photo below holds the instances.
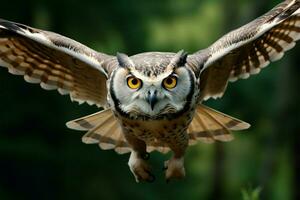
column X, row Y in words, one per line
column 54, row 62
column 247, row 50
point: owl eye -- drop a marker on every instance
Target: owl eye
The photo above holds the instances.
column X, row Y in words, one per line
column 170, row 82
column 133, row 82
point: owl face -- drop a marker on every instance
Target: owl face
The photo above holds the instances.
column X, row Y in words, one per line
column 151, row 88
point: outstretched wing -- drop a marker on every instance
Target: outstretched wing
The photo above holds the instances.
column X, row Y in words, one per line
column 247, row 50
column 54, row 61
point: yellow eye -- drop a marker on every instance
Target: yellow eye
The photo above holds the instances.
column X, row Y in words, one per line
column 134, row 83
column 170, row 82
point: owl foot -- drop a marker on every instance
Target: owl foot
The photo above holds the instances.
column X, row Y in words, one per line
column 174, row 168
column 140, row 168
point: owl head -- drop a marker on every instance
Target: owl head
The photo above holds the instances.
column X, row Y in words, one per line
column 152, row 84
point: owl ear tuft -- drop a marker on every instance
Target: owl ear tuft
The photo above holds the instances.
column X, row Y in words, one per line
column 124, row 60
column 179, row 59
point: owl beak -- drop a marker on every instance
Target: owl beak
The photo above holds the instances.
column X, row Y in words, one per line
column 152, row 98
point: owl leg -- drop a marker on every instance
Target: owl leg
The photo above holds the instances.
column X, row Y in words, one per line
column 175, row 166
column 137, row 161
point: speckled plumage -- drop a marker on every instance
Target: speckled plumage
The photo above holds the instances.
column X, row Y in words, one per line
column 161, row 109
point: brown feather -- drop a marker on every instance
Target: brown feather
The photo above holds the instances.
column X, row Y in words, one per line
column 210, row 125
column 54, row 62
column 247, row 50
column 103, row 129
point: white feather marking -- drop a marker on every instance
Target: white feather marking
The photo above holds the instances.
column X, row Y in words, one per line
column 238, row 126
column 88, row 140
column 295, row 35
column 90, row 102
column 11, row 69
column 276, row 56
column 153, row 79
column 3, row 64
column 244, row 75
column 106, row 146
column 3, row 27
column 289, row 46
column 63, row 91
column 31, row 79
column 214, row 96
column 297, row 12
column 41, row 38
column 220, row 52
column 15, row 71
column 264, row 64
column 233, row 79
column 255, row 70
column 79, row 101
column 47, row 86
column 122, row 150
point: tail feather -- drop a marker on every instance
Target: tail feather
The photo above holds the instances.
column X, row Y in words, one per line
column 207, row 126
column 223, row 134
column 210, row 125
column 89, row 122
column 103, row 129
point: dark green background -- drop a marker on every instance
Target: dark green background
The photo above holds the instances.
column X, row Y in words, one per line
column 41, row 159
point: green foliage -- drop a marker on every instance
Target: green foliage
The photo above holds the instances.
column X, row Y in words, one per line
column 251, row 194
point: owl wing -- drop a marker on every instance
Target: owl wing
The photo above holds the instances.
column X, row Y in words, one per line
column 247, row 50
column 54, row 61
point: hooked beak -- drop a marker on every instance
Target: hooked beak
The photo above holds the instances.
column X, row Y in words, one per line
column 152, row 98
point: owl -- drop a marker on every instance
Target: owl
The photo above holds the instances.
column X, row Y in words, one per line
column 153, row 100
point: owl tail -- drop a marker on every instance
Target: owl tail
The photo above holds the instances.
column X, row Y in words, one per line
column 103, row 129
column 207, row 126
column 210, row 125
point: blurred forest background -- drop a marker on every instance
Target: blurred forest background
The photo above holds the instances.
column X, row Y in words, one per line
column 41, row 159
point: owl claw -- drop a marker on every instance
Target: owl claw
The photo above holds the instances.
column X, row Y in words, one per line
column 140, row 168
column 174, row 169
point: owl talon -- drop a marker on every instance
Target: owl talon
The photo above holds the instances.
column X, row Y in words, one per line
column 140, row 168
column 175, row 169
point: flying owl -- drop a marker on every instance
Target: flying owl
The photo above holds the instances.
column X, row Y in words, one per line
column 151, row 101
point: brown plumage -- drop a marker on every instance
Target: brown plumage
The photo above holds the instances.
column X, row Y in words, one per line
column 207, row 126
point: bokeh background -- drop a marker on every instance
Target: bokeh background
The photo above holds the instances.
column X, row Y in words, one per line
column 41, row 159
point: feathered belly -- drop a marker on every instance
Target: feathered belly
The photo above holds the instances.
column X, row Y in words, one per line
column 154, row 131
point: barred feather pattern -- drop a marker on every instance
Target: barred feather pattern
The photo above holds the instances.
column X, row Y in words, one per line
column 268, row 48
column 210, row 125
column 247, row 50
column 207, row 126
column 103, row 129
column 43, row 62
